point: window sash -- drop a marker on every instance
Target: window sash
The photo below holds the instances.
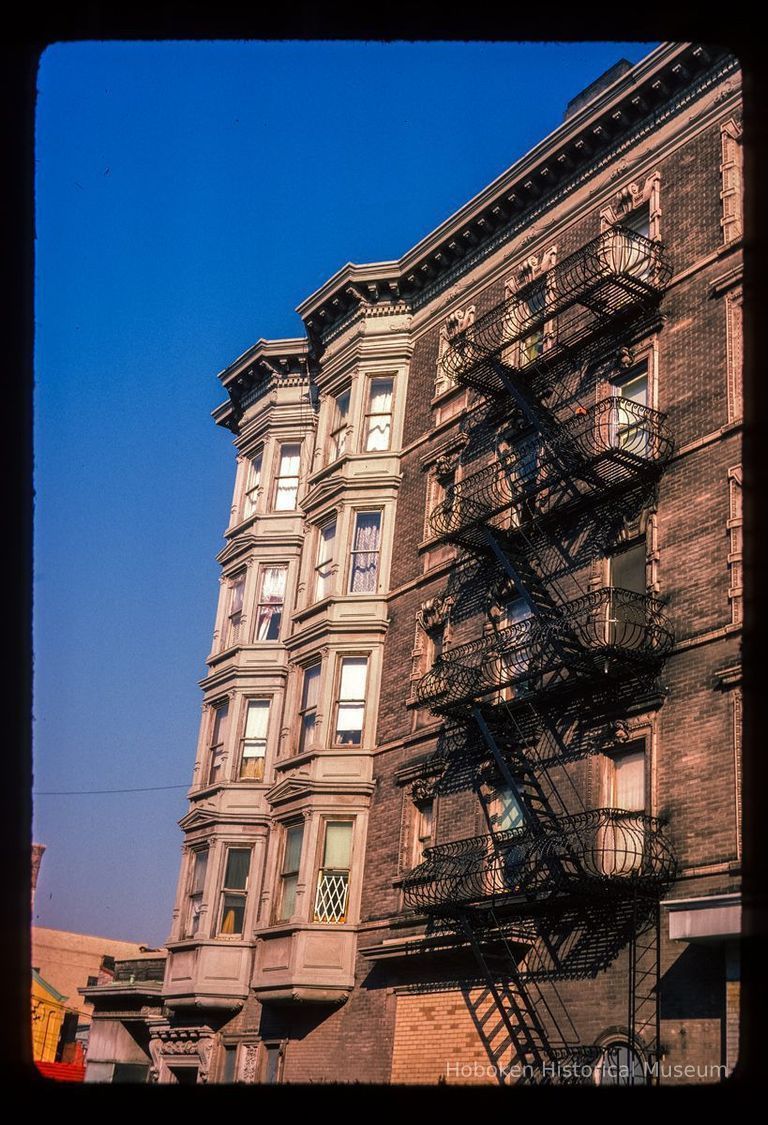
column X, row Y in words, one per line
column 350, row 704
column 254, row 747
column 219, row 727
column 310, row 694
column 286, row 486
column 364, row 555
column 234, row 891
column 269, row 609
column 326, row 548
column 338, row 438
column 289, row 876
column 197, row 886
column 378, row 417
column 252, row 485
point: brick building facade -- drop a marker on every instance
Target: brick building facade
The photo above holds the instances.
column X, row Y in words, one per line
column 466, row 804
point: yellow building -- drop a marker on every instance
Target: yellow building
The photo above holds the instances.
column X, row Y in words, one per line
column 48, row 1011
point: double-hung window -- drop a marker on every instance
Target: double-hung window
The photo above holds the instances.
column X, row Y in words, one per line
column 235, row 615
column 337, row 443
column 423, row 829
column 219, row 724
column 252, row 484
column 378, row 416
column 269, row 609
column 333, row 878
column 532, row 310
column 310, row 693
column 286, row 486
column 629, row 420
column 364, row 568
column 234, row 891
column 196, row 889
column 289, row 875
column 622, row 840
column 255, row 740
column 350, row 702
column 626, row 615
column 326, row 546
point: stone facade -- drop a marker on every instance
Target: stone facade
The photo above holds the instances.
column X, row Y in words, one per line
column 296, row 953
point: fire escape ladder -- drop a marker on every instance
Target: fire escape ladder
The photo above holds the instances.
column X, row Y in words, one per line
column 643, row 986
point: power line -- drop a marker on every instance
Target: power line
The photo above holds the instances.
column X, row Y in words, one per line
column 99, row 792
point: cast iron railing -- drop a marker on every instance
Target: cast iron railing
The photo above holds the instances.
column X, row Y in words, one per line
column 614, row 443
column 617, row 271
column 601, row 851
column 606, row 630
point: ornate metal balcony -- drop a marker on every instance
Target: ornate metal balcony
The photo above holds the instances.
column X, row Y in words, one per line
column 613, row 444
column 600, row 852
column 618, row 271
column 606, row 632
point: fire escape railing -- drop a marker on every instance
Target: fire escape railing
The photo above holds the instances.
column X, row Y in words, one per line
column 615, row 443
column 604, row 851
column 614, row 273
column 606, row 630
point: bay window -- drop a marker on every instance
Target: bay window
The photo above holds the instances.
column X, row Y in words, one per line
column 350, row 702
column 218, row 737
column 364, row 568
column 269, row 608
column 326, row 546
column 333, row 877
column 378, row 416
column 255, row 740
column 286, row 486
column 289, row 875
column 310, row 693
column 234, row 891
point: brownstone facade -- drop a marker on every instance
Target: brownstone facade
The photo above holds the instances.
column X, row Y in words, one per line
column 467, row 798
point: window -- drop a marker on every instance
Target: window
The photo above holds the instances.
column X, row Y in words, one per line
column 620, row 1065
column 269, row 610
column 629, row 420
column 235, row 617
column 252, row 485
column 338, row 440
column 326, row 544
column 308, row 712
column 273, row 1063
column 350, row 705
column 423, row 829
column 532, row 309
column 219, row 725
column 364, row 570
column 289, row 876
column 378, row 418
column 286, row 485
column 234, row 891
column 630, row 254
column 621, row 842
column 196, row 888
column 255, row 740
column 228, row 1063
column 625, row 780
column 626, row 616
column 504, row 811
column 519, row 459
column 435, row 643
column 515, row 648
column 333, row 877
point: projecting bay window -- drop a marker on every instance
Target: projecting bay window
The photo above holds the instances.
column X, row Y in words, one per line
column 269, row 609
column 235, row 615
column 234, row 891
column 378, row 415
column 332, row 893
column 289, row 874
column 196, row 889
column 254, row 748
column 218, row 738
column 310, row 693
column 350, row 701
column 364, row 565
column 337, row 443
column 324, row 568
column 286, row 485
column 252, row 485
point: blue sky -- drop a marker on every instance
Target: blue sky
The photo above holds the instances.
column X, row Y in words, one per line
column 189, row 196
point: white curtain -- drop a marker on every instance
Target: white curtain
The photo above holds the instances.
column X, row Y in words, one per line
column 288, row 483
column 256, row 724
column 380, row 411
column 271, row 602
column 351, row 697
column 365, row 559
column 629, row 782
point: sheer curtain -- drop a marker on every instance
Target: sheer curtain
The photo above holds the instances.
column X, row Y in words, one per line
column 271, row 603
column 255, row 739
column 288, row 479
column 379, row 415
column 365, row 553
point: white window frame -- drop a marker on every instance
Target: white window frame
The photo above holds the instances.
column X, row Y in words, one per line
column 369, row 414
column 262, row 605
column 357, row 703
column 260, row 743
column 253, row 482
column 331, row 904
column 355, row 552
column 279, row 476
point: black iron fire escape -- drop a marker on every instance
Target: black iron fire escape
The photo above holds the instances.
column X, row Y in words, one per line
column 559, row 897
